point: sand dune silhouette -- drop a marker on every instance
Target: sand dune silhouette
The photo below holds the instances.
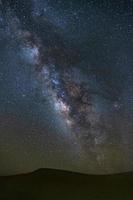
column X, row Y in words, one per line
column 57, row 184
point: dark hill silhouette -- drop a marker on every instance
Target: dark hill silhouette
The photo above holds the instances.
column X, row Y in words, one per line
column 57, row 184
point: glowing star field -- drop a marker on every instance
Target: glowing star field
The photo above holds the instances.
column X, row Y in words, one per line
column 66, row 86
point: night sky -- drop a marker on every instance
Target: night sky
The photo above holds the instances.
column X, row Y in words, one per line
column 66, row 86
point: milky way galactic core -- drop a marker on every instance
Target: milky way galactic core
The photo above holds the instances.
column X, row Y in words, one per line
column 66, row 85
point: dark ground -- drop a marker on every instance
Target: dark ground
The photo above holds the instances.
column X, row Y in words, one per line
column 56, row 184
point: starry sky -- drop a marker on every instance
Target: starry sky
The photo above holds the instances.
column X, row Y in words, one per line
column 66, row 86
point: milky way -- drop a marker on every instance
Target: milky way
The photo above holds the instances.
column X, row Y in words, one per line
column 68, row 80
